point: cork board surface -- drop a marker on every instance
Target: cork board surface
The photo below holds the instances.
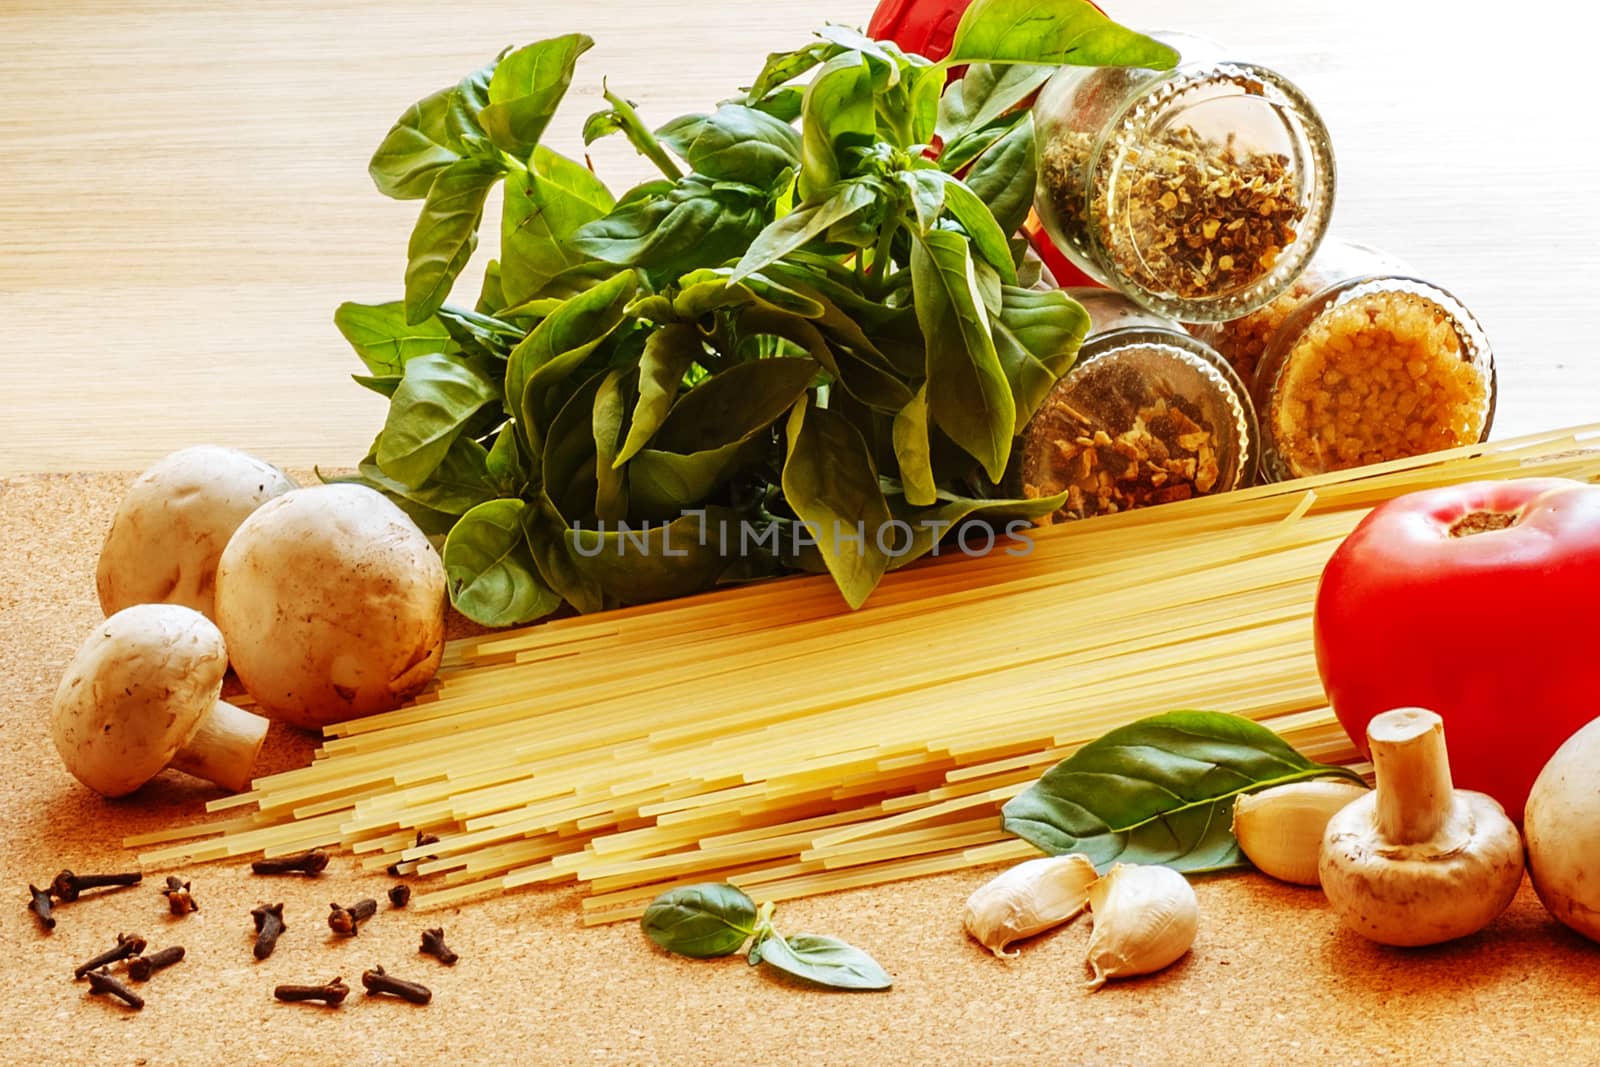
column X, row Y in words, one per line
column 1272, row 977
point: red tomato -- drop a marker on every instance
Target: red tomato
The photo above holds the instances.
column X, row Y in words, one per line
column 1479, row 601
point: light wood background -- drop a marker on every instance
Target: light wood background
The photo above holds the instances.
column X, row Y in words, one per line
column 184, row 198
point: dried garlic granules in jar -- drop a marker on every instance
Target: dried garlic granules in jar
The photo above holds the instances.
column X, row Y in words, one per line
column 1386, row 371
column 1148, row 416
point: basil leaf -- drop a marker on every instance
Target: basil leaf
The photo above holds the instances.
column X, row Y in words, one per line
column 803, row 226
column 783, row 104
column 1036, row 337
column 829, row 481
column 969, row 397
column 456, row 486
column 382, row 384
column 668, row 353
column 925, row 190
column 525, row 89
column 436, row 398
column 735, row 143
column 611, row 490
column 562, row 571
column 417, row 147
column 837, row 114
column 782, row 67
column 701, row 921
column 690, row 226
column 911, row 450
column 988, row 239
column 491, row 573
column 861, row 377
column 471, row 96
column 503, row 464
column 1052, row 31
column 557, row 347
column 1003, row 178
column 543, row 207
column 733, row 404
column 491, row 296
column 383, row 339
column 445, row 234
column 984, row 94
column 1159, row 790
column 826, row 961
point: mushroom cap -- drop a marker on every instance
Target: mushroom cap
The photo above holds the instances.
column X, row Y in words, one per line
column 1421, row 894
column 332, row 603
column 134, row 693
column 171, row 527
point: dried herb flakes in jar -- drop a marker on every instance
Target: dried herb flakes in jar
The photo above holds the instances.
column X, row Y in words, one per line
column 1200, row 193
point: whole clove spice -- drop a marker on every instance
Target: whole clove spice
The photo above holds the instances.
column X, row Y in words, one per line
column 127, row 945
column 140, row 968
column 378, row 981
column 41, row 906
column 309, row 863
column 179, row 900
column 67, row 886
column 347, row 921
column 410, row 866
column 269, row 925
column 433, row 945
column 101, row 982
column 399, row 895
column 331, row 993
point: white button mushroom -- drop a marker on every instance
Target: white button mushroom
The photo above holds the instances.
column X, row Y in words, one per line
column 332, row 603
column 141, row 694
column 1562, row 823
column 173, row 523
column 1417, row 861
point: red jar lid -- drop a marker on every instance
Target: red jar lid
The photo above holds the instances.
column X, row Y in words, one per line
column 927, row 27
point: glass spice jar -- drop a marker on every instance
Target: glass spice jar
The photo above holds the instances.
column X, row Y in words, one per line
column 1199, row 192
column 1148, row 415
column 1366, row 365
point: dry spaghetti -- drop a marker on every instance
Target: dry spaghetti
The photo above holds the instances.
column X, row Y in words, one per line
column 767, row 736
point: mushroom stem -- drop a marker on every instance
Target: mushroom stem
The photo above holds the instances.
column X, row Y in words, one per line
column 223, row 747
column 1414, row 789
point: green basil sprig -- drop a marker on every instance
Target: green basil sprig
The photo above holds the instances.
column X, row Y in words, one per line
column 714, row 920
column 1159, row 790
column 815, row 322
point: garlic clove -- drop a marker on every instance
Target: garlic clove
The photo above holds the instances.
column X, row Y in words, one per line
column 1145, row 918
column 1280, row 829
column 1028, row 899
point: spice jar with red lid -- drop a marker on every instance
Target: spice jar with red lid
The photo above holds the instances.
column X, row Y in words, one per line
column 1148, row 415
column 1199, row 192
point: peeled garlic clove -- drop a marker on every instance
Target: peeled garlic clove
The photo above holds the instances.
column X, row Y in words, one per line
column 1280, row 829
column 1145, row 918
column 1028, row 899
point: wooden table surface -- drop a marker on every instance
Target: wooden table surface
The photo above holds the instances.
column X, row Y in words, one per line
column 185, row 198
column 184, row 201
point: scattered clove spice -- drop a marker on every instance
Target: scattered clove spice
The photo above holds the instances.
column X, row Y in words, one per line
column 68, row 886
column 410, row 866
column 433, row 945
column 399, row 895
column 347, row 921
column 101, row 982
column 140, row 968
column 332, row 993
column 308, row 863
column 127, row 945
column 179, row 899
column 378, row 981
column 42, row 907
column 269, row 925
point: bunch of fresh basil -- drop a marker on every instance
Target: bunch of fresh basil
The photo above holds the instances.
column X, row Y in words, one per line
column 820, row 325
